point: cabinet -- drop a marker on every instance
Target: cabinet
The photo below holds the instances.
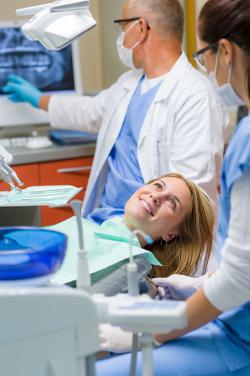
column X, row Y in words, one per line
column 22, row 216
column 28, row 174
column 71, row 172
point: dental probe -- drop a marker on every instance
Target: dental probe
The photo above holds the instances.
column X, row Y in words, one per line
column 8, row 175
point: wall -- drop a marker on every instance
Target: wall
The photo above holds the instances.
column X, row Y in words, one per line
column 110, row 10
column 200, row 3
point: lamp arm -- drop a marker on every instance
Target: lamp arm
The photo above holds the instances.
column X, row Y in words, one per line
column 31, row 11
column 54, row 7
column 73, row 6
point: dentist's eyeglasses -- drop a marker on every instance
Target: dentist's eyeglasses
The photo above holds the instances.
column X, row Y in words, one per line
column 123, row 21
column 199, row 56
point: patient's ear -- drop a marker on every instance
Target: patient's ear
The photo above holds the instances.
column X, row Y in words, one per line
column 169, row 237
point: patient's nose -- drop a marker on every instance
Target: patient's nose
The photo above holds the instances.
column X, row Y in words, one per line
column 156, row 199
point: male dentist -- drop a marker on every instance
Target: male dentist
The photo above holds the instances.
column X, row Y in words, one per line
column 160, row 116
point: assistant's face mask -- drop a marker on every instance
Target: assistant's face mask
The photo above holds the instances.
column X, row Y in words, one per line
column 126, row 54
column 226, row 91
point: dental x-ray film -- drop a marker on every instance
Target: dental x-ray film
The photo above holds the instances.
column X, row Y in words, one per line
column 48, row 70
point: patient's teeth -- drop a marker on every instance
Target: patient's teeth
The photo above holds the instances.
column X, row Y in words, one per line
column 147, row 207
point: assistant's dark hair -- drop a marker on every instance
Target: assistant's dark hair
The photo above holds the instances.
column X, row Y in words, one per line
column 228, row 19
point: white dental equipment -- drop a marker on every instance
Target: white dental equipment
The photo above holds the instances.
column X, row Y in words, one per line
column 47, row 332
column 8, row 175
column 55, row 25
column 133, row 283
column 144, row 317
column 83, row 275
column 140, row 314
column 56, row 329
column 133, row 290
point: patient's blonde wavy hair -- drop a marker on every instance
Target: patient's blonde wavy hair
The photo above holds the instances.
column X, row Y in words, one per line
column 184, row 254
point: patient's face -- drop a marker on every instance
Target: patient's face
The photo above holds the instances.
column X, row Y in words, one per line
column 159, row 208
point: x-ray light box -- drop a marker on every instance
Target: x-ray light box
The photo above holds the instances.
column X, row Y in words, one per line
column 53, row 72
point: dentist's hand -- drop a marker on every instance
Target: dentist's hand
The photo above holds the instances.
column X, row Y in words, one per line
column 7, row 157
column 114, row 339
column 20, row 90
column 178, row 287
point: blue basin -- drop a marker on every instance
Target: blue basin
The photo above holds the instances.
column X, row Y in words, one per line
column 30, row 252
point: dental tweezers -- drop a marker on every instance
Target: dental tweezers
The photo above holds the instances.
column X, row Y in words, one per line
column 8, row 175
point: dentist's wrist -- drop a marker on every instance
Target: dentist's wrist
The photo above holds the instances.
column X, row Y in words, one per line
column 43, row 103
column 35, row 99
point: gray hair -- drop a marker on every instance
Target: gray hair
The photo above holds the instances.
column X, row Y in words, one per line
column 165, row 16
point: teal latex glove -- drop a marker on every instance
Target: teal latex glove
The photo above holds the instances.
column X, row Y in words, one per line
column 20, row 90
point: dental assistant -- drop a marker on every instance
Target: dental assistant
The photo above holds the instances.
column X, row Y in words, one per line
column 161, row 116
column 221, row 347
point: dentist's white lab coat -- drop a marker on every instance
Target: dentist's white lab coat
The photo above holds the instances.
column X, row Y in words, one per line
column 183, row 131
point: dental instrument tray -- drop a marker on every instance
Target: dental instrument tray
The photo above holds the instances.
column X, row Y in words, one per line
column 30, row 253
column 50, row 195
column 68, row 137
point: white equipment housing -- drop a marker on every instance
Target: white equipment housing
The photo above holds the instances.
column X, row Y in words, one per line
column 56, row 25
column 47, row 332
column 141, row 314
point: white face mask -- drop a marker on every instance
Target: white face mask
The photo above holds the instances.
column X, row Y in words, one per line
column 126, row 54
column 226, row 91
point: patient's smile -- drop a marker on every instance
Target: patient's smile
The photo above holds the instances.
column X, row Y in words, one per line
column 146, row 206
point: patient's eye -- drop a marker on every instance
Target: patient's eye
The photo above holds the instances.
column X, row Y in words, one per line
column 173, row 204
column 158, row 185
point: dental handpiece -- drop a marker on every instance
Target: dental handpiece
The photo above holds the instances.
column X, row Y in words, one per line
column 8, row 175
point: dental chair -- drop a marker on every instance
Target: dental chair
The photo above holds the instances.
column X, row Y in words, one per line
column 47, row 332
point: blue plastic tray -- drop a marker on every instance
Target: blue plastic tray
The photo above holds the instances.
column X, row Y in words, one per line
column 68, row 137
column 30, row 252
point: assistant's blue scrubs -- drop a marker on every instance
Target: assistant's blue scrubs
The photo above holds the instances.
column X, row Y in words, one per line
column 221, row 347
column 124, row 173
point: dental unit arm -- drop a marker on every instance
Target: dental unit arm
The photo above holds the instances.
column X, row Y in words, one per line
column 48, row 22
column 133, row 283
column 83, row 276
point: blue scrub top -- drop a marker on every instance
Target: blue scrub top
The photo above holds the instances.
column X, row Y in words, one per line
column 124, row 174
column 234, row 324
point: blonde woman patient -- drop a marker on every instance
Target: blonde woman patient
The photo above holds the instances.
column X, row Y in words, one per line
column 179, row 217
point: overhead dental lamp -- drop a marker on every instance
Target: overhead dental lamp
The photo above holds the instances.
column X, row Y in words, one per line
column 55, row 25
